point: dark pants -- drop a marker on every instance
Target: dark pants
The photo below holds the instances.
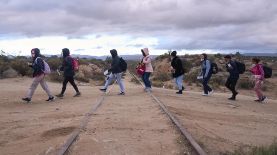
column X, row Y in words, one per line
column 231, row 84
column 145, row 79
column 205, row 82
column 69, row 79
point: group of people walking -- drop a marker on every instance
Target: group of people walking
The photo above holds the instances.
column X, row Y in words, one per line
column 145, row 70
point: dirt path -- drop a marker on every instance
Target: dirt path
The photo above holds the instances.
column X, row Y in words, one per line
column 131, row 124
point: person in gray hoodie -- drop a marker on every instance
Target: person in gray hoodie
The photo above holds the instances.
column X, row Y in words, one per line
column 116, row 73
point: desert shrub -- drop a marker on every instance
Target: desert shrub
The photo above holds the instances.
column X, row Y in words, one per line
column 163, row 77
column 245, row 83
column 164, row 56
column 4, row 66
column 192, row 76
column 187, row 66
column 21, row 66
column 157, row 83
column 9, row 73
column 54, row 63
column 217, row 81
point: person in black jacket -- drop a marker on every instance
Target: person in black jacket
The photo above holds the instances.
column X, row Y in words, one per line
column 38, row 75
column 116, row 73
column 177, row 71
column 68, row 73
column 231, row 82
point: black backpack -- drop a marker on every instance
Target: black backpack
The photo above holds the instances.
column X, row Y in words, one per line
column 267, row 72
column 214, row 68
column 122, row 64
column 241, row 67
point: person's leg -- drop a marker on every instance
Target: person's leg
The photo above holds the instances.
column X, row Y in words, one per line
column 109, row 81
column 209, row 89
column 257, row 88
column 233, row 83
column 143, row 79
column 65, row 81
column 33, row 86
column 72, row 82
column 45, row 87
column 179, row 82
column 120, row 82
column 147, row 81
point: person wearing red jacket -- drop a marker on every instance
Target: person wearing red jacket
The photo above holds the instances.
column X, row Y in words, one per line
column 258, row 73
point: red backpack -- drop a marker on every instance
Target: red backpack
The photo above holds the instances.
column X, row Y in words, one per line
column 75, row 64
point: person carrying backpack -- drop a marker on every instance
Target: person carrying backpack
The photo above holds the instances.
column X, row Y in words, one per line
column 177, row 71
column 148, row 69
column 232, row 80
column 116, row 73
column 38, row 76
column 68, row 73
column 258, row 73
column 206, row 73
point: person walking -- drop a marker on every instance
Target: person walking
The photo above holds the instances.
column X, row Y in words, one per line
column 258, row 73
column 38, row 76
column 68, row 73
column 116, row 73
column 232, row 80
column 206, row 74
column 148, row 69
column 177, row 70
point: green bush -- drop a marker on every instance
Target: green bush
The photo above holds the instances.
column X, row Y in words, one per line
column 163, row 77
column 246, row 83
column 21, row 66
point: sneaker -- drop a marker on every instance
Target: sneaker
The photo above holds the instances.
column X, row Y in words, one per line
column 26, row 99
column 232, row 98
column 236, row 93
column 77, row 94
column 263, row 98
column 257, row 100
column 179, row 92
column 122, row 93
column 205, row 94
column 59, row 95
column 211, row 92
column 50, row 99
column 103, row 89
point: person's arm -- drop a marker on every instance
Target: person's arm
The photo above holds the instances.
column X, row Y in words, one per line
column 147, row 60
column 262, row 72
column 208, row 67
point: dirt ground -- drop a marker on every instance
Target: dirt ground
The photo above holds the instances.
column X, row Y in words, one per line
column 130, row 124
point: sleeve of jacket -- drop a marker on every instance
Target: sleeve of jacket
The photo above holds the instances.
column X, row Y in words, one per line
column 38, row 64
column 115, row 64
column 208, row 67
column 147, row 60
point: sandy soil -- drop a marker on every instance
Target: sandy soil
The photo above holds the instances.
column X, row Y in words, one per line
column 131, row 124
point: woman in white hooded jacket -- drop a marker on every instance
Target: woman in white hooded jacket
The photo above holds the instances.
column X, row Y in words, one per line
column 148, row 69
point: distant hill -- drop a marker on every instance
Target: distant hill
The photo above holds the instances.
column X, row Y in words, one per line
column 261, row 54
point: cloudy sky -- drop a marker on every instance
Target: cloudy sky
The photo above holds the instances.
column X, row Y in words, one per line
column 93, row 27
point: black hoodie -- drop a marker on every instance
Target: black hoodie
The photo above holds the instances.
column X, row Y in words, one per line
column 38, row 64
column 67, row 65
column 115, row 66
column 177, row 64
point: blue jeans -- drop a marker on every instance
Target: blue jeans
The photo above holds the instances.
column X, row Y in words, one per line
column 118, row 79
column 145, row 79
column 205, row 82
column 179, row 82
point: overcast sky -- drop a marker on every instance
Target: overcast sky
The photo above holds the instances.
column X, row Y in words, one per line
column 94, row 27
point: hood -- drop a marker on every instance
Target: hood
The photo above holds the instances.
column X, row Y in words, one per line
column 145, row 51
column 37, row 52
column 66, row 52
column 113, row 53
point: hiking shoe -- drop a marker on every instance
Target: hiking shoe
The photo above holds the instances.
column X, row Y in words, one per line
column 50, row 99
column 122, row 93
column 103, row 89
column 179, row 92
column 60, row 95
column 26, row 99
column 232, row 98
column 211, row 92
column 263, row 98
column 77, row 94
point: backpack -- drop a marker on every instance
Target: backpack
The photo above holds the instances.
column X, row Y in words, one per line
column 214, row 68
column 47, row 69
column 240, row 66
column 267, row 72
column 75, row 64
column 122, row 64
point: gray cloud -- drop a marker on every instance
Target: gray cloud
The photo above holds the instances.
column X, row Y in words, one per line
column 179, row 24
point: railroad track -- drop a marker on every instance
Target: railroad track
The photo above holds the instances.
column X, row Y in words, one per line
column 72, row 138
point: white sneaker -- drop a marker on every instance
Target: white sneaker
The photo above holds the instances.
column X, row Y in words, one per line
column 211, row 92
column 205, row 94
